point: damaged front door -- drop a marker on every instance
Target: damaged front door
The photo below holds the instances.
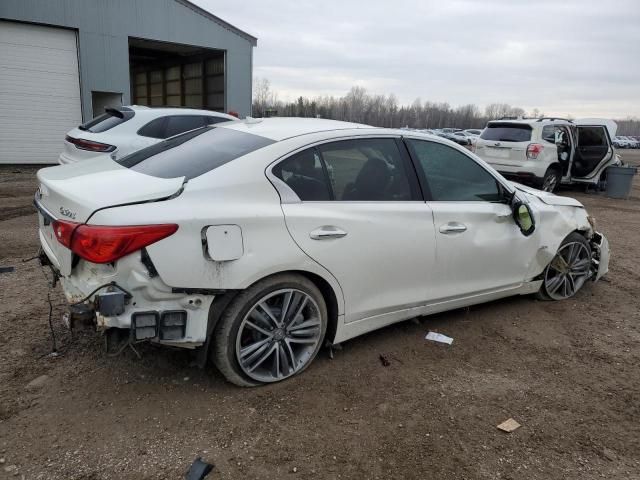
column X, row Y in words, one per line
column 479, row 247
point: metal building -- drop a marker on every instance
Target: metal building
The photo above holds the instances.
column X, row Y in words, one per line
column 63, row 61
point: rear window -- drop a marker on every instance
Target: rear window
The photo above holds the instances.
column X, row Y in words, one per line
column 507, row 132
column 193, row 153
column 111, row 118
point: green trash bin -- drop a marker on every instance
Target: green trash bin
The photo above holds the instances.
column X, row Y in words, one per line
column 620, row 181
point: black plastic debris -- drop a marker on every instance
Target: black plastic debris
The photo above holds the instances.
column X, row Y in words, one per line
column 7, row 269
column 384, row 360
column 198, row 470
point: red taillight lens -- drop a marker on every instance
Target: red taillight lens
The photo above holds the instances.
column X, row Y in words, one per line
column 533, row 150
column 89, row 145
column 63, row 231
column 104, row 244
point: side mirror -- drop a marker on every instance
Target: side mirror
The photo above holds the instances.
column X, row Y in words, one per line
column 524, row 218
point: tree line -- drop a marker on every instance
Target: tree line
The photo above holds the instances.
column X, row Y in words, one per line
column 385, row 111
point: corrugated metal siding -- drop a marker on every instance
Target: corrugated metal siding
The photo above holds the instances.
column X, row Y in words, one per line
column 104, row 28
column 39, row 91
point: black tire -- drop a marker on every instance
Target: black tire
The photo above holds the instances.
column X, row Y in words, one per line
column 573, row 237
column 223, row 343
column 551, row 180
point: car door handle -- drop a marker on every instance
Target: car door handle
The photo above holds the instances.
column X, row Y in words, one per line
column 327, row 232
column 453, row 227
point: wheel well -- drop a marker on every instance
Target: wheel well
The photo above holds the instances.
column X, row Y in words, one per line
column 555, row 166
column 330, row 299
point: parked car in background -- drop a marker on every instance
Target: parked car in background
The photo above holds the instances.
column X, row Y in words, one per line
column 546, row 152
column 473, row 132
column 123, row 130
column 632, row 141
column 257, row 242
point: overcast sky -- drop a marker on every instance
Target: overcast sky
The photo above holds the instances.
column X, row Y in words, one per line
column 578, row 57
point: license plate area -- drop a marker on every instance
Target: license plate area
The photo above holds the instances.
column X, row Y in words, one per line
column 498, row 152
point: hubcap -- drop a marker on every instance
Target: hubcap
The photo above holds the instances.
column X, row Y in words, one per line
column 568, row 271
column 279, row 335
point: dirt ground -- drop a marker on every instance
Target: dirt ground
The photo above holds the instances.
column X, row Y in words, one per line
column 569, row 372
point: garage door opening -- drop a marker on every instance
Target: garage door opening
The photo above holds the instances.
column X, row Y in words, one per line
column 175, row 75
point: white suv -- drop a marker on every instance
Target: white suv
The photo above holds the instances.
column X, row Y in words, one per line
column 546, row 152
column 124, row 130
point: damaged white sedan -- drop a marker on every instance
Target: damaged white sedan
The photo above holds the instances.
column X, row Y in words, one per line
column 257, row 242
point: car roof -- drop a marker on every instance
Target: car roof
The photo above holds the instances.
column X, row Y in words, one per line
column 161, row 111
column 280, row 128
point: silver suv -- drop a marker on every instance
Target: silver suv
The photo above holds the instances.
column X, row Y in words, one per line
column 546, row 152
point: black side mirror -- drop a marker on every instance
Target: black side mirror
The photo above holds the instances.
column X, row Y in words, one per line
column 524, row 218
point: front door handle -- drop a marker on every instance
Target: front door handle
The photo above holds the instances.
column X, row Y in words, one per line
column 327, row 232
column 453, row 227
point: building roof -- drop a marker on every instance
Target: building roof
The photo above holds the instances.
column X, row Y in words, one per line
column 219, row 21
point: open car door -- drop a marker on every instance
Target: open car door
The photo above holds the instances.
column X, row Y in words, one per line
column 594, row 148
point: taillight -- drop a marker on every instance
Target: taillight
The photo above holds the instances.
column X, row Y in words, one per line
column 533, row 150
column 89, row 145
column 105, row 244
column 63, row 231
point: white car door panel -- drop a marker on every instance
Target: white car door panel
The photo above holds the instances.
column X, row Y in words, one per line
column 381, row 253
column 479, row 247
column 363, row 219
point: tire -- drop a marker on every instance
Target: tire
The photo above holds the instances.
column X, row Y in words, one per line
column 551, row 180
column 566, row 275
column 271, row 346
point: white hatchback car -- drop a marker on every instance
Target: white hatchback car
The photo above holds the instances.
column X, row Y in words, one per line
column 123, row 130
column 547, row 152
column 259, row 241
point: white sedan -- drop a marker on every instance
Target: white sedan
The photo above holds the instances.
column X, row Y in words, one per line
column 123, row 130
column 257, row 242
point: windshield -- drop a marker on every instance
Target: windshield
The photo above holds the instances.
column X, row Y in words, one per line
column 507, row 132
column 193, row 153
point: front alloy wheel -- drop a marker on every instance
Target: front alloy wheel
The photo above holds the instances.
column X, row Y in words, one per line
column 271, row 331
column 569, row 269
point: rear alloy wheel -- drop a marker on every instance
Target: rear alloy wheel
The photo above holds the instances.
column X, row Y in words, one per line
column 550, row 181
column 569, row 269
column 271, row 331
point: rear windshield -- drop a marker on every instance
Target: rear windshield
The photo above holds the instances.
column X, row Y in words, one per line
column 507, row 132
column 193, row 153
column 111, row 118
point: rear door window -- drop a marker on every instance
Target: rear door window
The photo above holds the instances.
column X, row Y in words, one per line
column 154, row 129
column 592, row 137
column 507, row 132
column 305, row 175
column 193, row 153
column 177, row 124
column 367, row 170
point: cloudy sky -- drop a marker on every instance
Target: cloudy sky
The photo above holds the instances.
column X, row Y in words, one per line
column 578, row 57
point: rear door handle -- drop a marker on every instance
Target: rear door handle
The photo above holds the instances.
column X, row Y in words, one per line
column 327, row 232
column 453, row 227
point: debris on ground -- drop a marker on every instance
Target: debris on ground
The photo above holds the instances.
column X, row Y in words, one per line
column 509, row 425
column 384, row 360
column 609, row 454
column 199, row 469
column 37, row 382
column 7, row 269
column 438, row 337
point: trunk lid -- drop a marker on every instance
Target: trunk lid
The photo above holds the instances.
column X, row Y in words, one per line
column 74, row 192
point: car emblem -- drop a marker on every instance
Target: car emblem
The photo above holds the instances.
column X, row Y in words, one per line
column 68, row 213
